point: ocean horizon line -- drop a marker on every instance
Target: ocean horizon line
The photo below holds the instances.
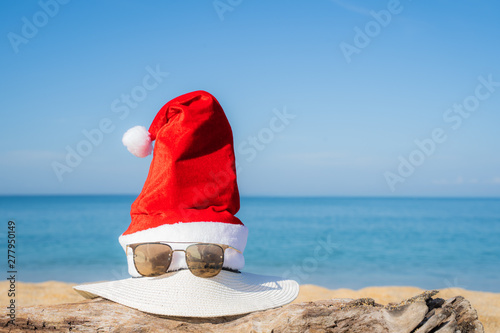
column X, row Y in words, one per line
column 263, row 196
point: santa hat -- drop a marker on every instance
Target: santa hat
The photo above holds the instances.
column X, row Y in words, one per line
column 190, row 195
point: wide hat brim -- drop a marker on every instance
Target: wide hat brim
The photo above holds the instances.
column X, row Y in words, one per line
column 182, row 294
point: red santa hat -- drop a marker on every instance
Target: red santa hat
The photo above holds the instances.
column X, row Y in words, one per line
column 190, row 194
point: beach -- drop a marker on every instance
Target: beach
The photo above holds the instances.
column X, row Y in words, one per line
column 487, row 304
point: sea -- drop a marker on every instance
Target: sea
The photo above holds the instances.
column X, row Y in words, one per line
column 335, row 242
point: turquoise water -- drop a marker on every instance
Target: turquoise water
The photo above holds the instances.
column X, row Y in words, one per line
column 333, row 242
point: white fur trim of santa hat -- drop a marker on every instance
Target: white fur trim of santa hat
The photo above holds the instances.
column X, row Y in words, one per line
column 178, row 236
column 138, row 141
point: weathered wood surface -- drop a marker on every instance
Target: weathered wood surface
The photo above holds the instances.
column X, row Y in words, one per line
column 420, row 314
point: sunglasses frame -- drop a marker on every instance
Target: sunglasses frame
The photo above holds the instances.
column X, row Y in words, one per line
column 134, row 246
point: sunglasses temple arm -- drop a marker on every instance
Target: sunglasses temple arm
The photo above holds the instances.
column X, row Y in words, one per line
column 235, row 249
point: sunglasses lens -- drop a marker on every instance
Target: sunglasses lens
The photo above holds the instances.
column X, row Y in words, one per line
column 205, row 260
column 152, row 259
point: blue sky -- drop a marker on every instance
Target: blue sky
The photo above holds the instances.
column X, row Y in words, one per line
column 359, row 81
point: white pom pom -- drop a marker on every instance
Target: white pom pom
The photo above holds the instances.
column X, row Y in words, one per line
column 138, row 141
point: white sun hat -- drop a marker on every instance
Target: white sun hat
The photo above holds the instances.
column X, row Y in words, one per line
column 182, row 294
column 190, row 196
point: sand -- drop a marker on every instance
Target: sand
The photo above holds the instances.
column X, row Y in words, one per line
column 487, row 304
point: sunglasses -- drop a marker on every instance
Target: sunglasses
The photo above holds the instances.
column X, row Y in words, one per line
column 203, row 259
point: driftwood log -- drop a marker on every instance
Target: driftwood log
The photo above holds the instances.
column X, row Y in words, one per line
column 419, row 314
